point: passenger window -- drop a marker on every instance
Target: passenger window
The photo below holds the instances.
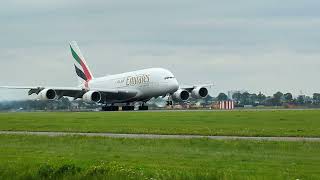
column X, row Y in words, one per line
column 168, row 78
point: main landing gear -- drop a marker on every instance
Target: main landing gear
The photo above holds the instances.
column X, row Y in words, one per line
column 143, row 108
column 127, row 108
column 110, row 108
column 124, row 108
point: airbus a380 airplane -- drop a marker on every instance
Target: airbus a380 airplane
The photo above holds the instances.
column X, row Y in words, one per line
column 120, row 89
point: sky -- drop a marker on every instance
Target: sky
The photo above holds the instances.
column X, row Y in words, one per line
column 255, row 45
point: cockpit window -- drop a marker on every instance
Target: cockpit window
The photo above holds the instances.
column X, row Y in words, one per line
column 169, row 77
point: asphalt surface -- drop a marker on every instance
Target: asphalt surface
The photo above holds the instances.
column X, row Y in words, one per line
column 157, row 136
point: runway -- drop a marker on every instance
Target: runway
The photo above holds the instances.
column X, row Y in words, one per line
column 158, row 136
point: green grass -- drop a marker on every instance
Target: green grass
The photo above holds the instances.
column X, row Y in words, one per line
column 42, row 157
column 241, row 123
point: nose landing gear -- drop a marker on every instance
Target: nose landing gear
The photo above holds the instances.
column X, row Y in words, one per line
column 110, row 108
column 169, row 101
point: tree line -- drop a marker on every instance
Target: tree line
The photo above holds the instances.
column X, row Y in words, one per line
column 241, row 99
column 277, row 99
column 34, row 105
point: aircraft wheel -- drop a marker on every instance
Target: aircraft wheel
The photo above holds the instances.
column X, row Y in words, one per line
column 127, row 108
column 143, row 108
column 104, row 108
column 114, row 108
column 110, row 108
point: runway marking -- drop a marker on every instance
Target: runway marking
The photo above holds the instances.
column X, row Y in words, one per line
column 158, row 136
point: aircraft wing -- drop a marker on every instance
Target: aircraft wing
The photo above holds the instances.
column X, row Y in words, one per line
column 191, row 87
column 61, row 91
column 77, row 92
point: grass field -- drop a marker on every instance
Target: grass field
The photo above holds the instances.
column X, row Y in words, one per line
column 42, row 157
column 241, row 123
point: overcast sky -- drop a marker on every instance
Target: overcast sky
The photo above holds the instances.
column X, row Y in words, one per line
column 255, row 45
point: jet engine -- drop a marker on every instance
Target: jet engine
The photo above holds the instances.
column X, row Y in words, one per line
column 181, row 94
column 92, row 96
column 199, row 92
column 47, row 94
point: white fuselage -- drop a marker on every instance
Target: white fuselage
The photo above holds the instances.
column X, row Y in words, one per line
column 148, row 83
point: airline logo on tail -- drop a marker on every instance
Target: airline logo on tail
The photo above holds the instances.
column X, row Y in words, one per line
column 81, row 66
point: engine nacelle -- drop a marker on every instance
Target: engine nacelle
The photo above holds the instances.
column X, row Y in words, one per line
column 181, row 95
column 47, row 94
column 92, row 96
column 199, row 92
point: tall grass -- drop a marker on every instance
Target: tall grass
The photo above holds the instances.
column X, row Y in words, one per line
column 75, row 157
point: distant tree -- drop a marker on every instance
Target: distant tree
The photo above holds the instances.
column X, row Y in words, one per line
column 261, row 98
column 307, row 100
column 222, row 97
column 253, row 98
column 268, row 101
column 237, row 96
column 278, row 95
column 288, row 97
column 208, row 99
column 64, row 103
column 277, row 99
column 245, row 98
column 316, row 98
column 300, row 100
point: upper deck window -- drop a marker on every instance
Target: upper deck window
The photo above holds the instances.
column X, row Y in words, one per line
column 170, row 77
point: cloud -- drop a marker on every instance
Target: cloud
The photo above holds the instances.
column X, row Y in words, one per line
column 254, row 45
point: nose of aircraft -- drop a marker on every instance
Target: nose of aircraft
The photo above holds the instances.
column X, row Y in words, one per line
column 174, row 85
